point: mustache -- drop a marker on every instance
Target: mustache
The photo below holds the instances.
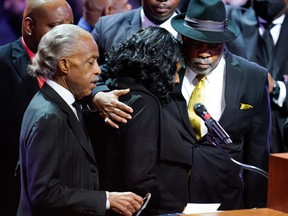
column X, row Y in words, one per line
column 162, row 6
column 200, row 61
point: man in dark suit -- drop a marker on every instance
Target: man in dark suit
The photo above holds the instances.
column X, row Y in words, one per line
column 242, row 108
column 17, row 88
column 113, row 29
column 59, row 173
column 262, row 17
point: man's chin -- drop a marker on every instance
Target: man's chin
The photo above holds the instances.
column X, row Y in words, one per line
column 201, row 70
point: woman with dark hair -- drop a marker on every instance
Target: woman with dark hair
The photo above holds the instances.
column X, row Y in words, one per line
column 142, row 155
column 152, row 57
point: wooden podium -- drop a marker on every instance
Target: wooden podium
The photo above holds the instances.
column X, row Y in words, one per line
column 243, row 212
column 278, row 182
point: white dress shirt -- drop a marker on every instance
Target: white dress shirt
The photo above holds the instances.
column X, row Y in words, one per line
column 65, row 94
column 214, row 87
column 145, row 22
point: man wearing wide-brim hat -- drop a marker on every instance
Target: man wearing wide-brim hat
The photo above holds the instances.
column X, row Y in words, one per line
column 235, row 93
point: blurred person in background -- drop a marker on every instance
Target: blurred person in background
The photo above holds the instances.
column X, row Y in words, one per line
column 76, row 6
column 94, row 9
column 10, row 19
column 263, row 39
column 113, row 29
column 238, row 3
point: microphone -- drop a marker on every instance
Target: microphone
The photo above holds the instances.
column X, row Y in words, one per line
column 202, row 112
column 213, row 125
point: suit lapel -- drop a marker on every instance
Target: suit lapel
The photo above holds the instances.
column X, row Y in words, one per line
column 251, row 36
column 20, row 60
column 280, row 53
column 182, row 105
column 73, row 121
column 232, row 85
column 133, row 24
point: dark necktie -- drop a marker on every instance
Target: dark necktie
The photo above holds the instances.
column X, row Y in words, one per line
column 268, row 42
column 78, row 108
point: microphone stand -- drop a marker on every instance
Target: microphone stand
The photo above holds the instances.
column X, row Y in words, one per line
column 216, row 143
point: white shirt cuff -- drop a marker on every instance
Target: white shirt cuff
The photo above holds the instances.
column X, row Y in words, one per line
column 107, row 201
column 282, row 94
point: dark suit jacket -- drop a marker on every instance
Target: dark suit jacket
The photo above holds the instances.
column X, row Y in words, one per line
column 58, row 169
column 214, row 178
column 249, row 46
column 16, row 90
column 112, row 29
column 142, row 156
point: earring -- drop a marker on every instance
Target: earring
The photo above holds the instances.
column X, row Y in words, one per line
column 29, row 33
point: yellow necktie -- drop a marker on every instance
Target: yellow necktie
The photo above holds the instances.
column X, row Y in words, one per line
column 197, row 96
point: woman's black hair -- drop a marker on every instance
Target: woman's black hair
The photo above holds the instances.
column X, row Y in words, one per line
column 150, row 56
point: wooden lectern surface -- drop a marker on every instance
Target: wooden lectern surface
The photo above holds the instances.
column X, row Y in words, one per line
column 278, row 182
column 244, row 212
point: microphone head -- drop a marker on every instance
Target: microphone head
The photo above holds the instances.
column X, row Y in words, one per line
column 200, row 109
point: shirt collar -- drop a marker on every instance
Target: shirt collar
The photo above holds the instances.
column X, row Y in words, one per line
column 277, row 21
column 85, row 25
column 145, row 22
column 29, row 52
column 65, row 94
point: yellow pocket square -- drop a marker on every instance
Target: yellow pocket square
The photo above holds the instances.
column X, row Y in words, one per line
column 245, row 106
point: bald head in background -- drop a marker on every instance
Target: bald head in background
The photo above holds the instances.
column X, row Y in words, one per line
column 42, row 15
column 94, row 9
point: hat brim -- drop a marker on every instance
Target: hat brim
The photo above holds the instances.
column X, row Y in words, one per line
column 230, row 34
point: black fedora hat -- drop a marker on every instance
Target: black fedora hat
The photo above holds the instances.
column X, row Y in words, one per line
column 205, row 20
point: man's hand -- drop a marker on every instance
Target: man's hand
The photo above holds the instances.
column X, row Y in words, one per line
column 126, row 203
column 111, row 109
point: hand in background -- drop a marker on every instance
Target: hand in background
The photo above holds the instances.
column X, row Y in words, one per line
column 111, row 109
column 125, row 203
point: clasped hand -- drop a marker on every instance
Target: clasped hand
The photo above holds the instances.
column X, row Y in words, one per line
column 126, row 203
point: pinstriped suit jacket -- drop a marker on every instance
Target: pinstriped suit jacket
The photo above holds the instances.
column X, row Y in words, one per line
column 59, row 173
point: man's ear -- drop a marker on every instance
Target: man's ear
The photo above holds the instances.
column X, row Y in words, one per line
column 28, row 26
column 63, row 65
column 108, row 10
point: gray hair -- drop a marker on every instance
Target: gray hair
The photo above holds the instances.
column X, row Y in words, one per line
column 56, row 44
